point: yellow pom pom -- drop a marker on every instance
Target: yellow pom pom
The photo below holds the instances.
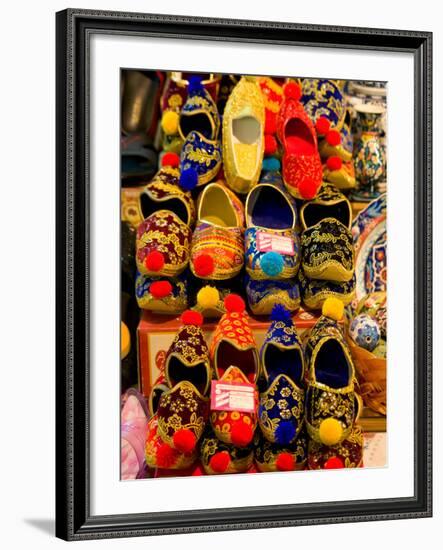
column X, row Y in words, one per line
column 333, row 308
column 208, row 297
column 125, row 340
column 170, row 123
column 330, row 431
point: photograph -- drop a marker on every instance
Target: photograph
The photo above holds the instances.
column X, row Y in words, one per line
column 253, row 245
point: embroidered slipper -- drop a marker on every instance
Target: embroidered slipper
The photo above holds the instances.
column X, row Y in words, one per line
column 187, row 358
column 270, row 457
column 323, row 99
column 218, row 457
column 200, row 160
column 233, row 342
column 263, row 295
column 199, row 113
column 159, row 454
column 165, row 193
column 230, row 425
column 335, row 143
column 272, row 245
column 243, row 142
column 281, row 407
column 332, row 406
column 329, row 203
column 183, row 413
column 168, row 296
column 162, row 245
column 314, row 292
column 134, row 425
column 341, row 174
column 217, row 250
column 210, row 299
column 348, row 454
column 302, row 170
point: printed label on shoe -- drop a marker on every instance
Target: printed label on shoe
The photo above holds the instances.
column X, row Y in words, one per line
column 232, row 397
column 269, row 242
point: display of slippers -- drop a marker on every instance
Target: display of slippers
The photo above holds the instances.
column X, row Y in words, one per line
column 326, row 242
column 348, row 454
column 217, row 243
column 301, row 169
column 243, row 131
column 332, row 406
column 272, row 245
column 263, row 295
column 233, row 342
column 281, row 407
column 218, row 457
column 271, row 457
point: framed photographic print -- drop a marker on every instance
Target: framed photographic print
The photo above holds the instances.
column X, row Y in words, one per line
column 231, row 353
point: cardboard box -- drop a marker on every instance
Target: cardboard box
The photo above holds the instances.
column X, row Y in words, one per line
column 155, row 334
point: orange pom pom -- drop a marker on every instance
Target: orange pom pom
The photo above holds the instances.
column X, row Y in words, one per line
column 270, row 144
column 333, row 138
column 154, row 261
column 203, row 265
column 160, row 289
column 241, row 434
column 170, row 159
column 307, row 188
column 270, row 122
column 220, row 461
column 292, row 91
column 285, row 462
column 184, row 440
column 334, row 463
column 234, row 303
column 322, row 125
column 334, row 163
column 190, row 317
column 166, row 456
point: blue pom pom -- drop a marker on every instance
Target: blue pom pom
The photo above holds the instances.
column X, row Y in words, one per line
column 195, row 84
column 272, row 263
column 285, row 432
column 188, row 179
column 280, row 313
column 271, row 164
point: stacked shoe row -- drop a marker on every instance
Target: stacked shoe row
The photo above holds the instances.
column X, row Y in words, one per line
column 300, row 409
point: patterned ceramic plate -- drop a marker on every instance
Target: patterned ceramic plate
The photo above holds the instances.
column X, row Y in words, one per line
column 369, row 234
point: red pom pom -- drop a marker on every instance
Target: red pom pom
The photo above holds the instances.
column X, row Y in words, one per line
column 203, row 265
column 234, row 303
column 322, row 125
column 285, row 462
column 334, row 463
column 270, row 144
column 333, row 137
column 292, row 91
column 307, row 188
column 184, row 440
column 241, row 434
column 270, row 122
column 334, row 163
column 170, row 159
column 166, row 456
column 160, row 289
column 220, row 461
column 154, row 261
column 190, row 317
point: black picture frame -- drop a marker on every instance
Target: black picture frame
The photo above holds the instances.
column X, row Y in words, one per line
column 74, row 28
